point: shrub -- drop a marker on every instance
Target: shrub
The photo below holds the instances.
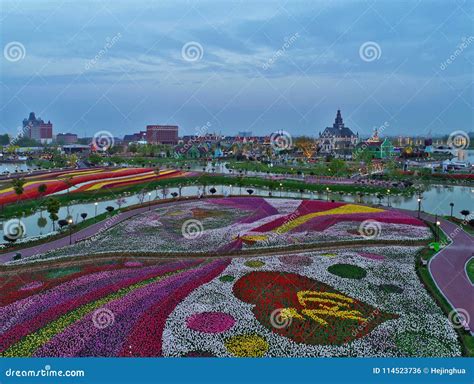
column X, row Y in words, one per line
column 348, row 271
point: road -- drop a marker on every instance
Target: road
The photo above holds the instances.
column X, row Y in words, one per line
column 447, row 267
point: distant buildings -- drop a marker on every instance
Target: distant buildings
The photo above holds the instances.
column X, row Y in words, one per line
column 66, row 138
column 135, row 138
column 37, row 129
column 376, row 148
column 162, row 134
column 338, row 139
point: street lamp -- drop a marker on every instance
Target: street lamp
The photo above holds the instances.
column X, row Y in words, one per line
column 70, row 230
column 388, row 197
column 419, row 206
column 149, row 200
column 438, row 223
column 452, row 206
column 281, row 189
column 95, row 215
column 327, row 193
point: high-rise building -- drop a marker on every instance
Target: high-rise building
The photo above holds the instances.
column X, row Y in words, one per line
column 35, row 128
column 162, row 134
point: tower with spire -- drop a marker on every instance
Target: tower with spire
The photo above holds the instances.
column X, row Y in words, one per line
column 338, row 139
column 338, row 122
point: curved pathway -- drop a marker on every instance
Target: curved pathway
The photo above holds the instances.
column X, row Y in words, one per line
column 447, row 267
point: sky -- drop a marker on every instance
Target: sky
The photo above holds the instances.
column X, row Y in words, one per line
column 231, row 66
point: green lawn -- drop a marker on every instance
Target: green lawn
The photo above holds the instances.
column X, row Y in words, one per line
column 470, row 270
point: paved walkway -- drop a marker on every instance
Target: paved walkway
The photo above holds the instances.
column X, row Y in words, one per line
column 447, row 267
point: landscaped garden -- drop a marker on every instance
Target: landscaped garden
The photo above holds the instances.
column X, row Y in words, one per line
column 77, row 181
column 364, row 302
column 237, row 277
column 230, row 225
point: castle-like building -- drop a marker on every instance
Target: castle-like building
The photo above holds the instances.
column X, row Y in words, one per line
column 338, row 139
column 35, row 128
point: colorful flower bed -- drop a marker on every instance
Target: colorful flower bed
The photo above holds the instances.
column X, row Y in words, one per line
column 296, row 309
column 63, row 320
column 226, row 225
column 364, row 301
column 84, row 180
column 281, row 305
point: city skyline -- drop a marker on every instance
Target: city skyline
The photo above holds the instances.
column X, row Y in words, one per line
column 122, row 68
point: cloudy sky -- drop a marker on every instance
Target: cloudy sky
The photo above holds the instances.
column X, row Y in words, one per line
column 234, row 66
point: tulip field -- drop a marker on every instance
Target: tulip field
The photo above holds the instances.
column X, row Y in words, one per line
column 84, row 180
column 223, row 225
column 126, row 293
column 282, row 305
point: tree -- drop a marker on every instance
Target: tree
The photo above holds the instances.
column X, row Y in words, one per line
column 120, row 201
column 62, row 223
column 174, row 195
column 4, row 139
column 452, row 206
column 9, row 239
column 18, row 185
column 109, row 208
column 465, row 213
column 94, row 159
column 42, row 223
column 83, row 215
column 141, row 196
column 213, row 190
column 250, row 191
column 380, row 197
column 52, row 206
column 337, row 167
column 42, row 188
